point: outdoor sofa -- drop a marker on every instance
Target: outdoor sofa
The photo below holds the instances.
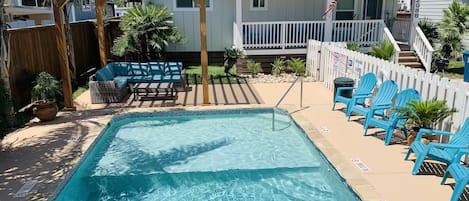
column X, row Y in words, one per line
column 112, row 83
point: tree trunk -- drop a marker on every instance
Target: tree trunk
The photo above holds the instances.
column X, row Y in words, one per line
column 4, row 67
column 69, row 42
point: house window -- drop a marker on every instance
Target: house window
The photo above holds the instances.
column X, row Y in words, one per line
column 190, row 5
column 258, row 4
column 87, row 5
column 345, row 10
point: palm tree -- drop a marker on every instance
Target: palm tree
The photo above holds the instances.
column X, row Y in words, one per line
column 148, row 30
column 453, row 27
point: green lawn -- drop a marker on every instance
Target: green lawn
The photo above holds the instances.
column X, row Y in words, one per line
column 455, row 70
column 216, row 75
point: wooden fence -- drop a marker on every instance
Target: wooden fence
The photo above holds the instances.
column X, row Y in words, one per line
column 333, row 61
column 34, row 49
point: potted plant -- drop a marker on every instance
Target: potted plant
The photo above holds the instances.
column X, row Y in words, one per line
column 43, row 97
column 424, row 114
column 231, row 56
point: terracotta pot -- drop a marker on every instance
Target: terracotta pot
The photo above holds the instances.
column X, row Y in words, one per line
column 45, row 110
column 411, row 137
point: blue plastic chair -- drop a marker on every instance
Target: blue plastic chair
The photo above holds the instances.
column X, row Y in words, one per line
column 395, row 120
column 438, row 151
column 460, row 175
column 381, row 101
column 365, row 87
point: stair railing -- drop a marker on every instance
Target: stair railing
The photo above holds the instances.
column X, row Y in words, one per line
column 284, row 95
column 423, row 48
column 387, row 35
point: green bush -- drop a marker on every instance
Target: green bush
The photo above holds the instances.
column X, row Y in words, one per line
column 353, row 46
column 297, row 65
column 430, row 29
column 278, row 66
column 384, row 51
column 254, row 67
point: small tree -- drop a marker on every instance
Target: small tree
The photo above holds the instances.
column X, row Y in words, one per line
column 230, row 57
column 148, row 30
column 453, row 27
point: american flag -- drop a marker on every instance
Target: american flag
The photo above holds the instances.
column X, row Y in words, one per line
column 331, row 6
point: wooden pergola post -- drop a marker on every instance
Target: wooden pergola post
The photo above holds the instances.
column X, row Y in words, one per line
column 62, row 49
column 203, row 51
column 99, row 22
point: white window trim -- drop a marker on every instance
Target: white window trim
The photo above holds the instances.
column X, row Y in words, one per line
column 192, row 9
column 266, row 6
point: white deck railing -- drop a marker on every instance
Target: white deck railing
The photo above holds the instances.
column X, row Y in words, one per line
column 295, row 34
column 281, row 35
column 387, row 35
column 363, row 32
column 340, row 62
column 423, row 48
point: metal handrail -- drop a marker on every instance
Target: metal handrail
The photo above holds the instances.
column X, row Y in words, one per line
column 283, row 97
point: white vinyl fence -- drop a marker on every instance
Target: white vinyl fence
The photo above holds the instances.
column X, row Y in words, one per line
column 326, row 62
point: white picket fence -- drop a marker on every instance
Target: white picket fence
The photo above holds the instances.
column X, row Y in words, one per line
column 327, row 61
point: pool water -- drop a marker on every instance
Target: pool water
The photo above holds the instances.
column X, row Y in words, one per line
column 210, row 155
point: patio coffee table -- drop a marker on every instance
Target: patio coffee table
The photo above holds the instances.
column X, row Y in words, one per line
column 160, row 90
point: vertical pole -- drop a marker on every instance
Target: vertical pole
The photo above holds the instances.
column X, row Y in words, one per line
column 203, row 52
column 99, row 22
column 328, row 25
column 62, row 49
column 301, row 92
column 273, row 119
column 239, row 15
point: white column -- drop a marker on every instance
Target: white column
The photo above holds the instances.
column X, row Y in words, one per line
column 239, row 14
column 328, row 25
column 415, row 5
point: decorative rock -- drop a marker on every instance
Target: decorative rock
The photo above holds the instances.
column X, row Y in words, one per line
column 263, row 78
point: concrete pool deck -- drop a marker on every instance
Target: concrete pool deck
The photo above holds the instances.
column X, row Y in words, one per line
column 45, row 152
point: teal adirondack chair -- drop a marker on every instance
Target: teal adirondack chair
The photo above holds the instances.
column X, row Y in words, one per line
column 395, row 120
column 460, row 174
column 381, row 101
column 365, row 87
column 438, row 151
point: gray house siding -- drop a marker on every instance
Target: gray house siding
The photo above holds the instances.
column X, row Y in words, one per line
column 281, row 10
column 219, row 26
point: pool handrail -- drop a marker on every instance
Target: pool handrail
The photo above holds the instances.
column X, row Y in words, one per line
column 283, row 97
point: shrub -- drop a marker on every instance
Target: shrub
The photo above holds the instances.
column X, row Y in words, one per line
column 278, row 66
column 254, row 67
column 384, row 51
column 297, row 65
column 353, row 46
column 430, row 29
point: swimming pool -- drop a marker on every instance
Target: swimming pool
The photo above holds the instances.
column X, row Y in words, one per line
column 204, row 155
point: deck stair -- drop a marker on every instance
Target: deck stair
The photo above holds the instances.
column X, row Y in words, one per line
column 409, row 58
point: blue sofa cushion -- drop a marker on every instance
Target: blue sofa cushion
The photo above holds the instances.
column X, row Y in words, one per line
column 121, row 81
column 137, row 69
column 104, row 74
column 156, row 68
column 173, row 68
column 120, row 69
column 171, row 78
